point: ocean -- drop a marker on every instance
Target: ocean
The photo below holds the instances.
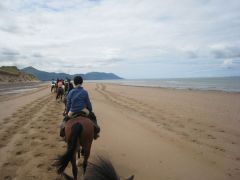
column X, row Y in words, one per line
column 227, row 84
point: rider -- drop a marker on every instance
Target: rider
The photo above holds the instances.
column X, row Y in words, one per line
column 78, row 103
column 68, row 86
column 52, row 84
column 59, row 88
column 53, row 81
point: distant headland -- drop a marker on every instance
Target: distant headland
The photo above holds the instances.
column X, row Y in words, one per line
column 13, row 74
column 47, row 76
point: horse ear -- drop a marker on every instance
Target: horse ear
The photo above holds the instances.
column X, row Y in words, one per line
column 130, row 177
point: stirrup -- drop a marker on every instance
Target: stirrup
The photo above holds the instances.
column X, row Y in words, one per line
column 62, row 132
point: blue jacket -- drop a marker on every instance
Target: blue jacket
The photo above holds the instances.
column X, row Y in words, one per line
column 77, row 100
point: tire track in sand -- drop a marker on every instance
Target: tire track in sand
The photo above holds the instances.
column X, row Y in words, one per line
column 188, row 129
column 29, row 140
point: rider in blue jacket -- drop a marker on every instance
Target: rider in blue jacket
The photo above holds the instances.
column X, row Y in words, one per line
column 78, row 100
column 78, row 103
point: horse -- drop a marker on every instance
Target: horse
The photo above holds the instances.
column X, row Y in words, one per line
column 79, row 133
column 53, row 87
column 66, row 87
column 60, row 93
column 102, row 169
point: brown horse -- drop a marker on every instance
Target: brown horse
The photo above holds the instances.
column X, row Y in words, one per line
column 60, row 93
column 78, row 133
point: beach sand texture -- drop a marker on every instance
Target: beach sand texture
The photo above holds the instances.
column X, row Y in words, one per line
column 153, row 133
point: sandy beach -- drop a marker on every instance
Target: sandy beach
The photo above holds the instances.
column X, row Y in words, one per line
column 153, row 133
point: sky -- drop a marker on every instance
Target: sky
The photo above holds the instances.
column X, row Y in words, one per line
column 134, row 39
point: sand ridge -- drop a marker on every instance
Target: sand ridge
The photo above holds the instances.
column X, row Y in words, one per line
column 186, row 128
column 29, row 140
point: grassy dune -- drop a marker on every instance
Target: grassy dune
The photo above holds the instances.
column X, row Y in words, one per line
column 13, row 74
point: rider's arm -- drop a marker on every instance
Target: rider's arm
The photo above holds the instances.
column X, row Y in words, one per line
column 69, row 97
column 89, row 105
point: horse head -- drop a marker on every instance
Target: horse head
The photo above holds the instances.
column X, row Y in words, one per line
column 102, row 169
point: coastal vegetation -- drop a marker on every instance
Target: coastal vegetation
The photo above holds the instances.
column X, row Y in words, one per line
column 13, row 74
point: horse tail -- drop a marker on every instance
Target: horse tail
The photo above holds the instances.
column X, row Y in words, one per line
column 62, row 161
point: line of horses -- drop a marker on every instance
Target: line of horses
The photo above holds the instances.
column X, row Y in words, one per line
column 79, row 134
column 60, row 91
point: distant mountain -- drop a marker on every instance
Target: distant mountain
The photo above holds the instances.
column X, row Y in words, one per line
column 43, row 75
column 47, row 76
column 100, row 76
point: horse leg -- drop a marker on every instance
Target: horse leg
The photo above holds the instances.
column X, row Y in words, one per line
column 78, row 155
column 74, row 166
column 85, row 162
column 86, row 156
column 57, row 96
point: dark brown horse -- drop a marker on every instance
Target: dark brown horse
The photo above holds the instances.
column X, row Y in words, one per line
column 102, row 169
column 60, row 93
column 78, row 134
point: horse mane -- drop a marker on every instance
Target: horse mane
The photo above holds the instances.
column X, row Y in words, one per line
column 101, row 169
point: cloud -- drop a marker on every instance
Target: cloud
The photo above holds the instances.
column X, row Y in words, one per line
column 226, row 51
column 92, row 35
column 109, row 62
column 231, row 63
column 37, row 55
column 227, row 63
column 7, row 54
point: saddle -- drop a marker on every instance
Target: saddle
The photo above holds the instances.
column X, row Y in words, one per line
column 75, row 115
column 90, row 116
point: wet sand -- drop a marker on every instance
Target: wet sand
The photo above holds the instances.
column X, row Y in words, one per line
column 153, row 133
column 14, row 88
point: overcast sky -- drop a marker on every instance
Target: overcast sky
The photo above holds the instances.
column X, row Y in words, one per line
column 131, row 38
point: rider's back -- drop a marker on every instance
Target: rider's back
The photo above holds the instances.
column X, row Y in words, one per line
column 78, row 99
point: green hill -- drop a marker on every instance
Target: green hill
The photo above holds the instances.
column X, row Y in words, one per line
column 13, row 74
column 10, row 70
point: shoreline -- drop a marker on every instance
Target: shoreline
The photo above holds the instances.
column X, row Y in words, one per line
column 226, row 84
column 168, row 88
